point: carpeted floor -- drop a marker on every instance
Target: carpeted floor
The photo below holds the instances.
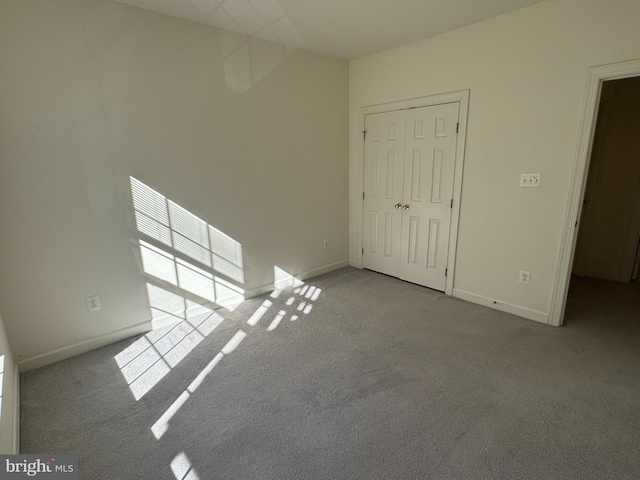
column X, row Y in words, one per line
column 375, row 379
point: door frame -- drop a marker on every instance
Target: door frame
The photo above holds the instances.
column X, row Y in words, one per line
column 461, row 97
column 596, row 75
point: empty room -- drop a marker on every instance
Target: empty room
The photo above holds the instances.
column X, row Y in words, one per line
column 273, row 239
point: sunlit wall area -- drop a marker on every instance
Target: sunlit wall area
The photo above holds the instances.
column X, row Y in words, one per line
column 96, row 92
column 189, row 254
column 8, row 385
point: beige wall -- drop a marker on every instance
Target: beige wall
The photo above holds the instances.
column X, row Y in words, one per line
column 251, row 137
column 526, row 72
column 8, row 413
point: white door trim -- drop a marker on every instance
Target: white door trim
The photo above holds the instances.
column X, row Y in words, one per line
column 596, row 76
column 463, row 98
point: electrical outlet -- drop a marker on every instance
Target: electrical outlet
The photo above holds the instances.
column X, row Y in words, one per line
column 326, row 244
column 525, row 277
column 530, row 180
column 93, row 303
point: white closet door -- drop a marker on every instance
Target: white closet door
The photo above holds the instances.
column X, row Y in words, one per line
column 383, row 179
column 408, row 186
column 430, row 152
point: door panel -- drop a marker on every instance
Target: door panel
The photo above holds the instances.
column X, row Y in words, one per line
column 428, row 189
column 383, row 178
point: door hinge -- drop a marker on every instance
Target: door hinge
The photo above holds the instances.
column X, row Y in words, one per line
column 451, row 206
column 362, row 250
column 363, row 195
column 446, row 271
column 457, row 127
column 364, row 134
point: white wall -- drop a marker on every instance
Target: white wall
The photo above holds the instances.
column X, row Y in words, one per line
column 526, row 72
column 251, row 137
column 9, row 394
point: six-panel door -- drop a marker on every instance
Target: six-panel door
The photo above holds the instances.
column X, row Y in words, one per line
column 383, row 180
column 407, row 223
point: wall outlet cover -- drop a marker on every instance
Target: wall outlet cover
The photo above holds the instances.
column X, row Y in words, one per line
column 93, row 303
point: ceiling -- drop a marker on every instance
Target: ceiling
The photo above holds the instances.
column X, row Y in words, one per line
column 346, row 29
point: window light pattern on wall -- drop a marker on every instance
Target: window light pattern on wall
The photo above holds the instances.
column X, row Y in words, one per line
column 183, row 232
column 170, row 224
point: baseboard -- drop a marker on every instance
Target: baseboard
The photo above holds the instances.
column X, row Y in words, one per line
column 357, row 263
column 63, row 353
column 612, row 277
column 169, row 320
column 502, row 306
column 262, row 289
column 322, row 270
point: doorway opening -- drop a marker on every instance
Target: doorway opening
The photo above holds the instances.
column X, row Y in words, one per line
column 590, row 253
column 606, row 260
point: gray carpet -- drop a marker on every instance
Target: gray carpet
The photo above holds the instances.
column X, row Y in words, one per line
column 381, row 379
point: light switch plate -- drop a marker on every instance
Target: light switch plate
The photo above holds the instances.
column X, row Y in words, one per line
column 530, row 180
